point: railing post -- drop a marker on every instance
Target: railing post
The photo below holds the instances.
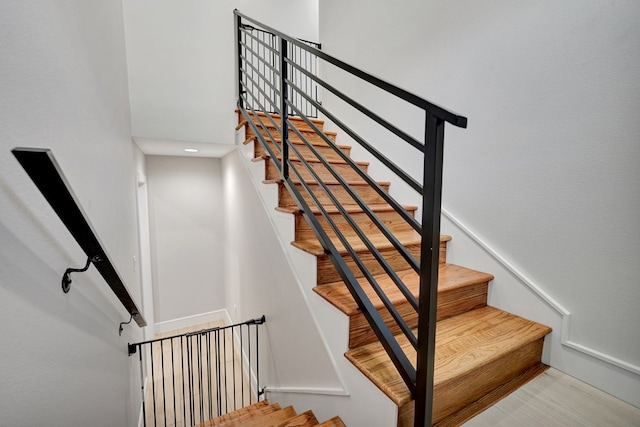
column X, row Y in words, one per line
column 238, row 26
column 284, row 137
column 429, row 259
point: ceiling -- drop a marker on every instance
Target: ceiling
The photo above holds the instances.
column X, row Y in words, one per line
column 164, row 147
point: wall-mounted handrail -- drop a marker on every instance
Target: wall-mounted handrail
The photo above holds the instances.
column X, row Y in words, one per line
column 42, row 168
column 287, row 98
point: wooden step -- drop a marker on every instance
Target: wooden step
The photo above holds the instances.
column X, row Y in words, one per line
column 343, row 168
column 306, row 419
column 333, row 422
column 296, row 120
column 269, row 131
column 271, row 420
column 459, row 290
column 245, row 414
column 384, row 212
column 328, row 153
column 262, row 414
column 362, row 189
column 476, row 352
column 326, row 273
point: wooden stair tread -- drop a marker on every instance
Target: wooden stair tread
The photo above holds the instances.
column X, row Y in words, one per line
column 298, row 142
column 271, row 420
column 306, row 419
column 332, row 162
column 304, row 128
column 409, row 238
column 275, row 116
column 330, row 182
column 333, row 422
column 450, row 277
column 350, row 208
column 463, row 344
column 243, row 415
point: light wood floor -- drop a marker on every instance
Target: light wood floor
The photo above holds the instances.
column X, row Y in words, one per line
column 555, row 399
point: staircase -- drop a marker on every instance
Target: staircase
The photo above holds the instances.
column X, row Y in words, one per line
column 262, row 414
column 482, row 353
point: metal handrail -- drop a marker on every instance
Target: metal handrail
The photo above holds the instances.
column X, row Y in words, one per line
column 419, row 380
column 43, row 169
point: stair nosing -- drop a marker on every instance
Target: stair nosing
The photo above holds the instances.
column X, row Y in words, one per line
column 375, row 207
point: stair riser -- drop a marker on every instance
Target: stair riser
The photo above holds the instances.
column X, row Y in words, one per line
column 325, row 151
column 327, row 273
column 366, row 193
column 344, row 170
column 459, row 392
column 450, row 303
column 391, row 219
column 308, row 135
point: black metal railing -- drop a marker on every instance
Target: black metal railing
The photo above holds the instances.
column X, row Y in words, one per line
column 258, row 51
column 42, row 168
column 281, row 138
column 190, row 378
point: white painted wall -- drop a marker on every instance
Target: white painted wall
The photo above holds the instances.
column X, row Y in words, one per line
column 187, row 231
column 547, row 172
column 181, row 62
column 259, row 280
column 63, row 86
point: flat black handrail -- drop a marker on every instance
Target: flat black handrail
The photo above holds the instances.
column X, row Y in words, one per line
column 46, row 174
column 419, row 379
column 436, row 110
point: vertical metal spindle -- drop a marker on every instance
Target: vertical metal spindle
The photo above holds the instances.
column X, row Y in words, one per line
column 224, row 368
column 258, row 391
column 242, row 366
column 238, row 31
column 153, row 386
column 184, row 379
column 144, row 401
column 429, row 258
column 164, row 398
column 283, row 109
column 209, row 373
column 200, row 388
column 219, row 371
column 191, row 385
column 173, row 380
column 233, row 363
column 249, row 357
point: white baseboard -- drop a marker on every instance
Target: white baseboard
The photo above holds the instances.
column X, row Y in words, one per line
column 308, row 390
column 183, row 322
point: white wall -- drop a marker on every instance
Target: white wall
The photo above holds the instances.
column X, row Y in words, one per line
column 547, row 173
column 181, row 62
column 64, row 86
column 259, row 280
column 187, row 230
